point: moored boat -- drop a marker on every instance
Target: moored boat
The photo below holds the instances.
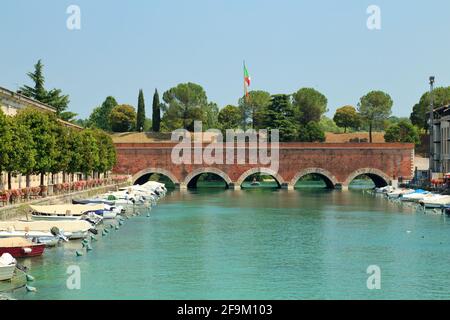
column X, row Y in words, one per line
column 63, row 212
column 416, row 196
column 21, row 247
column 76, row 229
column 436, row 201
column 7, row 266
column 398, row 193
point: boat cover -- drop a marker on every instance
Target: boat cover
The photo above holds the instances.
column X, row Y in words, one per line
column 67, row 209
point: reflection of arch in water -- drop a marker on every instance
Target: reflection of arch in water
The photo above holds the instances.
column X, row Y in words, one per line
column 144, row 175
column 191, row 179
column 379, row 178
column 267, row 171
column 329, row 179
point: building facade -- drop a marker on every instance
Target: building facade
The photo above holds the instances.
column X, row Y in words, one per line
column 441, row 141
column 11, row 103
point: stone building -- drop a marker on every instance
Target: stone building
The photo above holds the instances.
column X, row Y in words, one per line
column 10, row 103
column 441, row 140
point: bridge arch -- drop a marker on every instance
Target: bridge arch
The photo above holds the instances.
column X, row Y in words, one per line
column 279, row 179
column 196, row 173
column 379, row 178
column 330, row 180
column 140, row 176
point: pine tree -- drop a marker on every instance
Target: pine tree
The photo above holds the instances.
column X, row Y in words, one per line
column 156, row 117
column 37, row 92
column 140, row 120
column 54, row 97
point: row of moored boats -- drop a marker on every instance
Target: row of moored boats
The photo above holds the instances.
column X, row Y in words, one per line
column 82, row 219
column 426, row 199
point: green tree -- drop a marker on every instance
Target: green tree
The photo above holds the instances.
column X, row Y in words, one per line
column 104, row 143
column 230, row 117
column 22, row 156
column 68, row 116
column 253, row 107
column 312, row 132
column 100, row 116
column 75, row 145
column 309, row 105
column 403, row 131
column 347, row 117
column 156, row 116
column 374, row 108
column 140, row 119
column 54, row 97
column 42, row 128
column 328, row 125
column 123, row 118
column 210, row 115
column 37, row 91
column 280, row 115
column 89, row 151
column 5, row 144
column 185, row 104
column 63, row 149
column 419, row 117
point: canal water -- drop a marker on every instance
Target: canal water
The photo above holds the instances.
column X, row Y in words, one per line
column 258, row 244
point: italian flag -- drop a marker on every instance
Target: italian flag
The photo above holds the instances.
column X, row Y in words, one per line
column 247, row 80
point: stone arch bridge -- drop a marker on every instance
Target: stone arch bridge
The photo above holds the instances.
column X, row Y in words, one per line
column 337, row 163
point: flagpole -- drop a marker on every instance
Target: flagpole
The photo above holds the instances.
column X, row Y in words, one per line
column 245, row 85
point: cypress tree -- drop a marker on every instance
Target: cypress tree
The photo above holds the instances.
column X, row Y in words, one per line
column 140, row 119
column 156, row 119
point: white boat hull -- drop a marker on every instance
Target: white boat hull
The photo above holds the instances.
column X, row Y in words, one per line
column 7, row 272
column 54, row 218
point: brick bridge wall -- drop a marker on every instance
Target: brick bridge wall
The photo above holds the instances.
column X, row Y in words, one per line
column 339, row 164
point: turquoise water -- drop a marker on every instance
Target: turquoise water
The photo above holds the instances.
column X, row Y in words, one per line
column 258, row 244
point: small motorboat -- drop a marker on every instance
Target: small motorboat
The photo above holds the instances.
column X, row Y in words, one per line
column 7, row 266
column 93, row 201
column 415, row 196
column 386, row 189
column 63, row 230
column 21, row 247
column 255, row 182
column 63, row 212
column 436, row 201
column 398, row 193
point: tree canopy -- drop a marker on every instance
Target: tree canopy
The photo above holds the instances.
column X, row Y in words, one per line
column 347, row 117
column 253, row 107
column 403, row 131
column 54, row 97
column 123, row 118
column 156, row 112
column 441, row 97
column 100, row 116
column 309, row 105
column 375, row 107
column 184, row 104
column 230, row 117
column 140, row 118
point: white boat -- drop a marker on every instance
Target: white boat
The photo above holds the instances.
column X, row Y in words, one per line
column 29, row 235
column 62, row 212
column 76, row 229
column 386, row 189
column 416, row 196
column 400, row 192
column 7, row 267
column 436, row 201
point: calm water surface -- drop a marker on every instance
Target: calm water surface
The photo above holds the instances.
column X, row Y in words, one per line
column 258, row 244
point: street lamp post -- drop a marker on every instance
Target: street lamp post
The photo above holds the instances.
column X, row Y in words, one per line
column 431, row 127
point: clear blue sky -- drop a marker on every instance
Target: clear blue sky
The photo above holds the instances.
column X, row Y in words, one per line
column 127, row 45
